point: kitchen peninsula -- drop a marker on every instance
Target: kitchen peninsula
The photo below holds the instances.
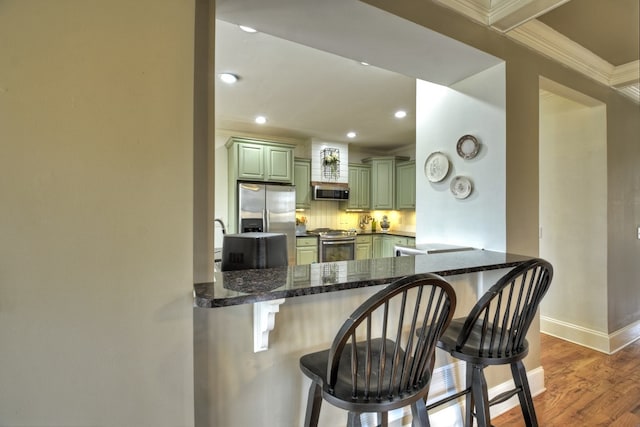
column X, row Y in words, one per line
column 312, row 302
column 250, row 286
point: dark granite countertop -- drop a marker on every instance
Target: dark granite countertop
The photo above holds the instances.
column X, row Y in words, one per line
column 388, row 233
column 249, row 286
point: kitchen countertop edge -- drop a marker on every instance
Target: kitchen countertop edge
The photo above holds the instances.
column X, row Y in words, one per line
column 251, row 286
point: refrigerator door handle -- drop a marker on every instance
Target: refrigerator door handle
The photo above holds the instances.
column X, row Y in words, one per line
column 265, row 220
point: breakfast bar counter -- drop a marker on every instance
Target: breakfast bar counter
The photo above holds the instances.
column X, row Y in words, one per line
column 252, row 326
column 251, row 286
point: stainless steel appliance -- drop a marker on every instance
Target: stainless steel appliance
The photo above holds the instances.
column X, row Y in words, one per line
column 335, row 245
column 268, row 208
column 331, row 192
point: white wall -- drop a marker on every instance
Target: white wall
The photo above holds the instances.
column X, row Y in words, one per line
column 96, row 258
column 474, row 106
column 573, row 216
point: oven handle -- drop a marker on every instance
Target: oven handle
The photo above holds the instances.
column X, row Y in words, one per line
column 337, row 241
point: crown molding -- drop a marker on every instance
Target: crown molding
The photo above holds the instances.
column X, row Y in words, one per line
column 509, row 14
column 631, row 91
column 516, row 20
column 625, row 74
column 469, row 8
column 547, row 41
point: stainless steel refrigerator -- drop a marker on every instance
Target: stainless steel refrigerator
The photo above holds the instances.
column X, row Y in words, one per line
column 268, row 208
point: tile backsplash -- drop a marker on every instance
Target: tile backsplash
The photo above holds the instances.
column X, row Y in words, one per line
column 327, row 214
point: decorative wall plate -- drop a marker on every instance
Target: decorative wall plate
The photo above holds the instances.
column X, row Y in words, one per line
column 468, row 147
column 436, row 167
column 460, row 187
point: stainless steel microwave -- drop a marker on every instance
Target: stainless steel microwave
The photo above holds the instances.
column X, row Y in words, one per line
column 330, row 192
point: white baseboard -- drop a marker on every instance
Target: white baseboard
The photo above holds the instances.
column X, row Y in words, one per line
column 600, row 341
column 449, row 380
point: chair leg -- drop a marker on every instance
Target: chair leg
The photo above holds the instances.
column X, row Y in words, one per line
column 468, row 417
column 526, row 401
column 383, row 419
column 480, row 396
column 314, row 401
column 354, row 419
column 419, row 413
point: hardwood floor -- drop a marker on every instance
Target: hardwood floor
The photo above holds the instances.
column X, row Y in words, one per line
column 584, row 387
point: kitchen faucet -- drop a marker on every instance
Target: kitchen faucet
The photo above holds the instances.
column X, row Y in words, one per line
column 364, row 220
column 224, row 229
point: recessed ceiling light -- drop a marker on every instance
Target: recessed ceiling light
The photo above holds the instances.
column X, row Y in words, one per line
column 228, row 78
column 351, row 135
column 364, row 63
column 400, row 114
column 261, row 120
column 247, row 29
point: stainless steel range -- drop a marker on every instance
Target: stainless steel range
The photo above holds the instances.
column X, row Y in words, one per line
column 335, row 245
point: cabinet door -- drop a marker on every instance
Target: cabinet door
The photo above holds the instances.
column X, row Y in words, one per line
column 377, row 246
column 251, row 162
column 279, row 164
column 406, row 185
column 306, row 255
column 302, row 181
column 354, row 192
column 364, row 188
column 382, row 184
column 363, row 250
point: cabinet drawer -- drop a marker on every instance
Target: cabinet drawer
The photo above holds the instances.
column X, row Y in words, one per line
column 306, row 241
column 363, row 239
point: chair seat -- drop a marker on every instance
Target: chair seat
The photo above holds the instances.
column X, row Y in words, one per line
column 314, row 365
column 472, row 351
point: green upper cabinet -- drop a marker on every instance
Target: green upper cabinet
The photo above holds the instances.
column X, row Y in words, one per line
column 406, row 185
column 383, row 181
column 359, row 187
column 255, row 160
column 302, row 181
column 279, row 163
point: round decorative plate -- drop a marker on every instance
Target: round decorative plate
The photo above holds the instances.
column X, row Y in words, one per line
column 436, row 167
column 460, row 187
column 468, row 147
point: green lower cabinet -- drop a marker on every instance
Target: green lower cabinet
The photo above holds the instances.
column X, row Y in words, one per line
column 364, row 247
column 306, row 250
column 383, row 245
column 377, row 246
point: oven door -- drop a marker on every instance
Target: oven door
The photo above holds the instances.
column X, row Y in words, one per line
column 337, row 250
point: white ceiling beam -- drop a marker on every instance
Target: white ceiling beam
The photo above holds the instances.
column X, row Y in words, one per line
column 477, row 10
column 505, row 15
column 554, row 45
column 625, row 74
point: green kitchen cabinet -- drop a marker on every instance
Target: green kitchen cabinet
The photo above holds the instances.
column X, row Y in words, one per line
column 359, row 187
column 306, row 250
column 302, row 181
column 383, row 244
column 377, row 243
column 406, row 185
column 390, row 242
column 383, row 181
column 364, row 247
column 256, row 160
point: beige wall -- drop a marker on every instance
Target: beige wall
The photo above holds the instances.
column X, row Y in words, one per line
column 524, row 67
column 573, row 215
column 96, row 183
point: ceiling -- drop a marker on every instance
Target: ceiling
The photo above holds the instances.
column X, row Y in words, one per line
column 298, row 72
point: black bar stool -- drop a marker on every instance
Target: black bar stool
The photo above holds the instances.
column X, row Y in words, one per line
column 494, row 334
column 378, row 360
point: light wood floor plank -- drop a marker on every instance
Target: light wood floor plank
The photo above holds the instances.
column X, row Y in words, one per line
column 584, row 387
